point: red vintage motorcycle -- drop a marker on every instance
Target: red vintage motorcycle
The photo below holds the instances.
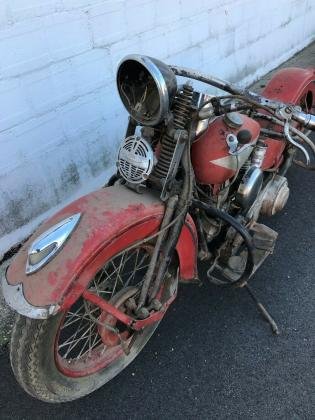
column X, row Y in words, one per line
column 195, row 172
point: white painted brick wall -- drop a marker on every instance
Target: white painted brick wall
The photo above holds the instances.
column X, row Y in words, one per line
column 60, row 116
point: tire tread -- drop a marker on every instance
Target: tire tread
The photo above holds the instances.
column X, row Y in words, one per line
column 25, row 342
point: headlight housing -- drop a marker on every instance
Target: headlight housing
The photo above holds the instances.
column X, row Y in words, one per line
column 146, row 87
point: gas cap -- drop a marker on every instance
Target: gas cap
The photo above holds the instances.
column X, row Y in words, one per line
column 233, row 119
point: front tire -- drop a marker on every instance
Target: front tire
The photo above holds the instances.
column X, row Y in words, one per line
column 54, row 368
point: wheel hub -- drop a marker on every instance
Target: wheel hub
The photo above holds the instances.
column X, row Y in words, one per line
column 112, row 332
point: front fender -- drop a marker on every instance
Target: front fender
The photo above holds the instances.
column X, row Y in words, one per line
column 111, row 219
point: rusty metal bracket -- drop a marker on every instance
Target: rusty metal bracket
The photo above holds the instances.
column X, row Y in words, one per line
column 135, row 324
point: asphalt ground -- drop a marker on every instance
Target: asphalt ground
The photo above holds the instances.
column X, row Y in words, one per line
column 213, row 357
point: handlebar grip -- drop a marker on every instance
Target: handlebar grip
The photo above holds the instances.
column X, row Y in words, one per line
column 308, row 120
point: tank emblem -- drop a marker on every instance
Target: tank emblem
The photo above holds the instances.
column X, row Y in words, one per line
column 227, row 162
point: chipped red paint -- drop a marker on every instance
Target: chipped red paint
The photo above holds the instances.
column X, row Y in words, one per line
column 97, row 361
column 112, row 219
column 186, row 248
column 93, row 362
column 290, row 85
column 155, row 316
column 274, row 153
column 107, row 307
column 211, row 147
column 126, row 319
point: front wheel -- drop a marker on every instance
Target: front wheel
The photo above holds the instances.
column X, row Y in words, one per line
column 71, row 354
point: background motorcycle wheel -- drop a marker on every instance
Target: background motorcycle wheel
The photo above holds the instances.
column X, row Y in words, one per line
column 64, row 357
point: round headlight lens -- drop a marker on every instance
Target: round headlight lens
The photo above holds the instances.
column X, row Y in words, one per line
column 146, row 87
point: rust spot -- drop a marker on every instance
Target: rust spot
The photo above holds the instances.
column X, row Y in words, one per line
column 52, row 278
column 106, row 214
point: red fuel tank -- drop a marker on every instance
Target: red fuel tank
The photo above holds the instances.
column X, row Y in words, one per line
column 213, row 163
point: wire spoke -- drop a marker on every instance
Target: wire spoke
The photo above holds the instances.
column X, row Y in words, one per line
column 89, row 342
column 78, row 317
column 80, row 330
column 97, row 341
column 74, row 343
column 73, row 338
column 121, row 265
column 133, row 273
column 121, row 260
column 118, row 274
column 74, row 335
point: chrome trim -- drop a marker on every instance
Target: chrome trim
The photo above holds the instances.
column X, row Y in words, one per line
column 49, row 243
column 206, row 112
column 159, row 80
column 233, row 119
column 14, row 297
column 290, row 139
column 161, row 84
column 308, row 120
column 232, row 143
column 249, row 187
column 135, row 159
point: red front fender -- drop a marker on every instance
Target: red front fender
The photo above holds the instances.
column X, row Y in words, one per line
column 293, row 86
column 112, row 219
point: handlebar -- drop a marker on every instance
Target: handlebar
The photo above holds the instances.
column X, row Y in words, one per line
column 283, row 110
column 307, row 120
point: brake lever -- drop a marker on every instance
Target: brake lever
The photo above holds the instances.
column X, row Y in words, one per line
column 288, row 112
column 295, row 143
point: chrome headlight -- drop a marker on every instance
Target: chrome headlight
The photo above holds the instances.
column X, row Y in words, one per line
column 146, row 87
column 49, row 243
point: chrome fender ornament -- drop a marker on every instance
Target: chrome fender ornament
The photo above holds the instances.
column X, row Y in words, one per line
column 49, row 243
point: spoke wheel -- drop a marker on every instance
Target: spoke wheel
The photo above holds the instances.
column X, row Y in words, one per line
column 75, row 352
column 88, row 339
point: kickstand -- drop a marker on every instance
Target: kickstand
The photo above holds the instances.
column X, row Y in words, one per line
column 263, row 311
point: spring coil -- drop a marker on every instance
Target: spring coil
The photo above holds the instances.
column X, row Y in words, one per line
column 181, row 114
